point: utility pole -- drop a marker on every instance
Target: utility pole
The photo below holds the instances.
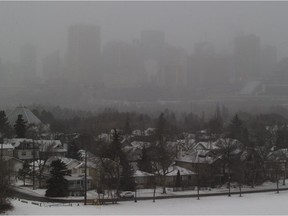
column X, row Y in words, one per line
column 135, row 200
column 33, row 153
column 198, row 173
column 1, row 146
column 85, row 179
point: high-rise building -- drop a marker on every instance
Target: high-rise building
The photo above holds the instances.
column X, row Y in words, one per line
column 122, row 64
column 28, row 62
column 247, row 51
column 52, row 66
column 268, row 60
column 152, row 43
column 84, row 53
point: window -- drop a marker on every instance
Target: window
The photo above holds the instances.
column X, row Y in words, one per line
column 23, row 153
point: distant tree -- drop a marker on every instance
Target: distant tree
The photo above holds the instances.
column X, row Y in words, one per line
column 228, row 151
column 162, row 155
column 192, row 123
column 73, row 150
column 57, row 185
column 144, row 164
column 215, row 125
column 24, row 172
column 20, row 127
column 282, row 137
column 127, row 181
column 5, row 129
column 127, row 128
column 236, row 130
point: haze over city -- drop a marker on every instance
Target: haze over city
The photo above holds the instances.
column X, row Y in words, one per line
column 91, row 54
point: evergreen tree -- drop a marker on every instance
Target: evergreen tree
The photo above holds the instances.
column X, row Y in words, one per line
column 73, row 150
column 20, row 127
column 127, row 128
column 4, row 125
column 144, row 164
column 57, row 185
column 162, row 155
column 237, row 130
column 215, row 124
column 24, row 172
column 127, row 181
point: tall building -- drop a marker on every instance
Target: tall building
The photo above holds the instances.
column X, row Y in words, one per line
column 152, row 43
column 268, row 60
column 28, row 62
column 84, row 53
column 247, row 53
column 122, row 64
column 52, row 66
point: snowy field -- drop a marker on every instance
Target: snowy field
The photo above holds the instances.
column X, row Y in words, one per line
column 253, row 204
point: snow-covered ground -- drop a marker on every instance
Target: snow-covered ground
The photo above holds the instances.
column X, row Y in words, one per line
column 92, row 194
column 259, row 203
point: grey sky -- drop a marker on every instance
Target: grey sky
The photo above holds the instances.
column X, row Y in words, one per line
column 45, row 23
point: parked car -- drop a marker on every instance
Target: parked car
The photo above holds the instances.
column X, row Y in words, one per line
column 126, row 194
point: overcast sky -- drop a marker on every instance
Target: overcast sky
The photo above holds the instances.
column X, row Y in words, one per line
column 184, row 23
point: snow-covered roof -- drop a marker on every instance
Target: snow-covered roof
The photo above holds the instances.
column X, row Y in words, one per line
column 27, row 115
column 45, row 144
column 173, row 170
column 7, row 158
column 6, row 146
column 17, row 141
column 137, row 132
column 139, row 173
column 140, row 144
column 199, row 156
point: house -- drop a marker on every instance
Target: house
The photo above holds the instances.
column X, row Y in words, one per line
column 188, row 177
column 25, row 149
column 76, row 179
column 6, row 149
column 76, row 185
column 149, row 131
column 14, row 165
column 143, row 179
column 54, row 147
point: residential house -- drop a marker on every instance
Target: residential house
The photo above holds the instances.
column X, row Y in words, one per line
column 6, row 149
column 24, row 149
column 51, row 147
column 188, row 177
column 143, row 179
column 14, row 165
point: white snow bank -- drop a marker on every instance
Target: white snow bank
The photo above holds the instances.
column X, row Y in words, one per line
column 251, row 204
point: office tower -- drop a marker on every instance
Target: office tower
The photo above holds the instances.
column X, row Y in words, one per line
column 28, row 63
column 84, row 53
column 268, row 60
column 152, row 43
column 247, row 58
column 122, row 64
column 52, row 66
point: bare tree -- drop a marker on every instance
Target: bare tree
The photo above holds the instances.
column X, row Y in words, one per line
column 5, row 187
column 227, row 150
